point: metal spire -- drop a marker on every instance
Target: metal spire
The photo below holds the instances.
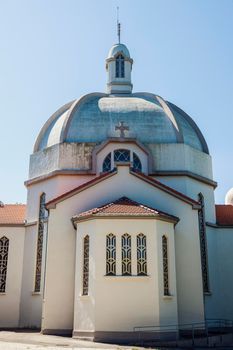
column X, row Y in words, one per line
column 118, row 26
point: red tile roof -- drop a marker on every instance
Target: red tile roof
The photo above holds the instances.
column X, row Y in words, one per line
column 12, row 214
column 224, row 215
column 124, row 207
column 52, row 203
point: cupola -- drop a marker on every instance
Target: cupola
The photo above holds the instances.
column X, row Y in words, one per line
column 119, row 67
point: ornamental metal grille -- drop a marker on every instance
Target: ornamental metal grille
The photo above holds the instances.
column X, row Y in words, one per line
column 120, row 66
column 141, row 255
column 126, row 254
column 122, row 155
column 165, row 266
column 86, row 248
column 111, row 255
column 202, row 231
column 107, row 163
column 137, row 165
column 4, row 247
column 40, row 238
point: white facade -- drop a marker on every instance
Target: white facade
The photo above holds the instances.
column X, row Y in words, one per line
column 92, row 152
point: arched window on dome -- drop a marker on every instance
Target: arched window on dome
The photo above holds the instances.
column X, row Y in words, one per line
column 137, row 165
column 107, row 163
column 4, row 247
column 120, row 66
column 122, row 155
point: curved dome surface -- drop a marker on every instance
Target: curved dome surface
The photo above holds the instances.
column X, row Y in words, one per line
column 117, row 48
column 93, row 118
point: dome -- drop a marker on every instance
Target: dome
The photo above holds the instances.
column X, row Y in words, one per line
column 93, row 118
column 229, row 197
column 118, row 48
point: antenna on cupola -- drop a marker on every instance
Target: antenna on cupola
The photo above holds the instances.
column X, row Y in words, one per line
column 118, row 26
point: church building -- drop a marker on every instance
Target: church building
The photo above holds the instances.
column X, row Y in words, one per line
column 121, row 229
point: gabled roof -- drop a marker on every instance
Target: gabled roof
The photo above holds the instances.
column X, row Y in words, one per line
column 224, row 215
column 12, row 214
column 155, row 183
column 124, row 207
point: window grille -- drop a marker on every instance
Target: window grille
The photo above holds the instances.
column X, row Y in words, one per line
column 137, row 165
column 107, row 163
column 4, row 247
column 141, row 255
column 111, row 255
column 165, row 266
column 42, row 216
column 120, row 66
column 202, row 231
column 86, row 248
column 126, row 254
column 122, row 155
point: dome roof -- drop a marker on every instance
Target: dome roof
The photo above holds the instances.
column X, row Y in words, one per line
column 117, row 48
column 229, row 197
column 93, row 118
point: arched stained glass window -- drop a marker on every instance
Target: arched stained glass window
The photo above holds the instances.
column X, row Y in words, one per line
column 126, row 254
column 4, row 247
column 40, row 238
column 120, row 66
column 165, row 265
column 86, row 248
column 122, row 155
column 107, row 163
column 111, row 255
column 141, row 255
column 137, row 165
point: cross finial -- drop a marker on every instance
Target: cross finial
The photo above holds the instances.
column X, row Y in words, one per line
column 122, row 128
column 118, row 26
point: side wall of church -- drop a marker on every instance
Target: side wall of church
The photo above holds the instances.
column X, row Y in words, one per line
column 119, row 303
column 191, row 188
column 31, row 302
column 219, row 304
column 10, row 300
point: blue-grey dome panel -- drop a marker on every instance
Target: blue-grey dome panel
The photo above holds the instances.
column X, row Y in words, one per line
column 95, row 119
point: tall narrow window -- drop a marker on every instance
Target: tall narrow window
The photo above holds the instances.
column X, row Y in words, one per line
column 86, row 248
column 120, row 66
column 4, row 247
column 111, row 255
column 141, row 255
column 202, row 230
column 165, row 266
column 40, row 239
column 107, row 163
column 126, row 254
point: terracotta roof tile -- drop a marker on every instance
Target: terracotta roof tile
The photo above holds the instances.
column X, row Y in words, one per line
column 224, row 215
column 12, row 214
column 124, row 207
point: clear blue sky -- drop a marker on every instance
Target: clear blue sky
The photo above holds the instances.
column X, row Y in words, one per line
column 53, row 51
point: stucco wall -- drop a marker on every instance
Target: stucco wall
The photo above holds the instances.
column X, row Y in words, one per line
column 58, row 306
column 10, row 300
column 120, row 303
column 220, row 261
